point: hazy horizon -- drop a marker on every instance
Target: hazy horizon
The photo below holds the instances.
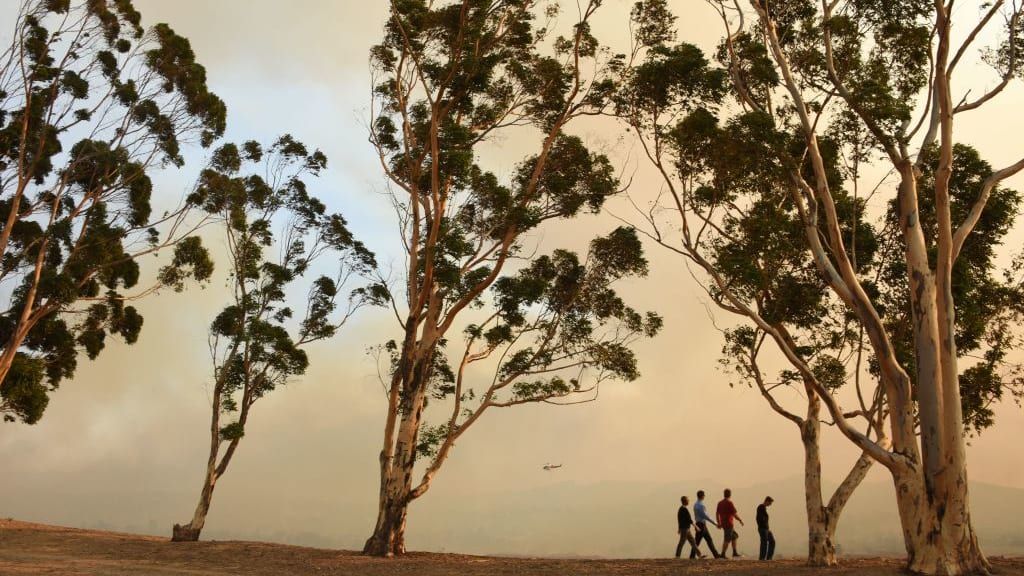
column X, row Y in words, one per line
column 134, row 423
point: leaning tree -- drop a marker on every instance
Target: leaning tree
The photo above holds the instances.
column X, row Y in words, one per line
column 257, row 343
column 806, row 76
column 451, row 78
column 90, row 105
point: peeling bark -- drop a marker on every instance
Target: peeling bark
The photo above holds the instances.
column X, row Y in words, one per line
column 821, row 549
column 936, row 543
column 388, row 536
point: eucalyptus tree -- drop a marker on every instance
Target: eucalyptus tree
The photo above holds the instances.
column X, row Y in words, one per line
column 452, row 77
column 871, row 61
column 90, row 105
column 819, row 81
column 748, row 235
column 256, row 344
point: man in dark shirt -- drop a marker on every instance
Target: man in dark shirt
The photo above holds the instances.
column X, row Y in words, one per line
column 726, row 515
column 767, row 538
column 685, row 523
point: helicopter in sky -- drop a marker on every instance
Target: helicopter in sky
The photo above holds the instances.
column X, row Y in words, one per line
column 549, row 467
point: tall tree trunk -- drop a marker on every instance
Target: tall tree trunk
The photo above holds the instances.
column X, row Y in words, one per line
column 821, row 548
column 959, row 538
column 822, row 519
column 935, row 509
column 190, row 532
column 388, row 536
column 380, row 542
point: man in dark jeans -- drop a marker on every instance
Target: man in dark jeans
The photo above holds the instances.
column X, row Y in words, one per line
column 685, row 523
column 700, row 513
column 767, row 538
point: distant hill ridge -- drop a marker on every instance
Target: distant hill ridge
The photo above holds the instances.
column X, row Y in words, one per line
column 563, row 519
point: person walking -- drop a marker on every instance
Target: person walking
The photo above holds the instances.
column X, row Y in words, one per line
column 700, row 513
column 767, row 538
column 727, row 516
column 685, row 523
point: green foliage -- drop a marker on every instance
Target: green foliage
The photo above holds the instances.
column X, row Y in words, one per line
column 653, row 23
column 430, row 438
column 451, row 78
column 571, row 307
column 256, row 344
column 734, row 172
column 987, row 303
column 1007, row 57
column 760, row 251
column 232, row 432
column 672, row 76
column 561, row 329
column 24, row 396
column 93, row 108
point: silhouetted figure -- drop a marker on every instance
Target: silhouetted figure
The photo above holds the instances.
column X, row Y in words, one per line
column 685, row 524
column 700, row 513
column 726, row 515
column 767, row 538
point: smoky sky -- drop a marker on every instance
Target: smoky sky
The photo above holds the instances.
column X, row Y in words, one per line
column 123, row 444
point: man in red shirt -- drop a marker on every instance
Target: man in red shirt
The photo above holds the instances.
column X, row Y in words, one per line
column 726, row 515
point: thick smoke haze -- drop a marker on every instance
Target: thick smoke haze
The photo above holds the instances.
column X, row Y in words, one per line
column 123, row 444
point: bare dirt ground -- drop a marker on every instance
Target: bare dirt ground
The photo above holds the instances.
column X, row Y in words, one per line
column 27, row 548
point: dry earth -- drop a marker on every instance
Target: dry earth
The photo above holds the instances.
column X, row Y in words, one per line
column 27, row 548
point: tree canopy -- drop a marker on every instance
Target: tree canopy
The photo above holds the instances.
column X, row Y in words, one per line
column 90, row 105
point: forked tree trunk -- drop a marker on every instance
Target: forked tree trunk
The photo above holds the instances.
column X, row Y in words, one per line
column 929, row 472
column 933, row 500
column 933, row 507
column 822, row 519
